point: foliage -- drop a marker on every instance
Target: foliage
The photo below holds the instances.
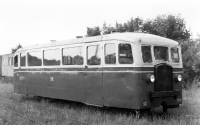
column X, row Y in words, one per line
column 93, row 31
column 16, row 48
column 191, row 61
column 169, row 26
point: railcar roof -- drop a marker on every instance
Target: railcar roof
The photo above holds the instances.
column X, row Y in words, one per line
column 9, row 55
column 130, row 37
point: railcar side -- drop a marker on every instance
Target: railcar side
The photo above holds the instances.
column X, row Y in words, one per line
column 128, row 70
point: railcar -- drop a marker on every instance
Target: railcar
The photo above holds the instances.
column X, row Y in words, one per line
column 125, row 70
column 7, row 65
column 0, row 65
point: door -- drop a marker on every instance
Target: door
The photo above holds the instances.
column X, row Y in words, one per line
column 20, row 86
column 5, row 66
column 93, row 74
column 22, row 83
column 22, row 75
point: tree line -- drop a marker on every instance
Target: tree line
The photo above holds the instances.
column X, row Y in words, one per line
column 169, row 26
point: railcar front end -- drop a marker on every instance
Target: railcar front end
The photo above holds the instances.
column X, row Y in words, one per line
column 162, row 86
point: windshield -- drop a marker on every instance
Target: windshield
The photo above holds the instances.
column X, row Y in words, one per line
column 161, row 53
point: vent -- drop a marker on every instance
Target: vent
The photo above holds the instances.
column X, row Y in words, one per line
column 164, row 77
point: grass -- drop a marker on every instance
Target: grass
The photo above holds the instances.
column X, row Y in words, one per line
column 59, row 112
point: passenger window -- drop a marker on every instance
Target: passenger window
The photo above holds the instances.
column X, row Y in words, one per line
column 51, row 57
column 125, row 53
column 4, row 61
column 110, row 54
column 72, row 56
column 146, row 54
column 174, row 55
column 23, row 59
column 35, row 58
column 161, row 53
column 10, row 61
column 93, row 55
column 16, row 61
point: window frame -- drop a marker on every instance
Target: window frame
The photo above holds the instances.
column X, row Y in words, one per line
column 66, row 47
column 100, row 54
column 121, row 42
column 41, row 58
column 154, row 57
column 25, row 59
column 85, row 47
column 4, row 61
column 10, row 61
column 47, row 50
column 17, row 61
column 152, row 54
column 178, row 56
column 105, row 53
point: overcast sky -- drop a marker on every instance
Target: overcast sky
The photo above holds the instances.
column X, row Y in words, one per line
column 31, row 22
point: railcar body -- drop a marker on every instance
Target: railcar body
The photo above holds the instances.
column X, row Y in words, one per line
column 126, row 70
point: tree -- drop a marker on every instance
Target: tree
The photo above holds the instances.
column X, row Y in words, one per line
column 120, row 27
column 189, row 52
column 16, row 48
column 169, row 26
column 93, row 31
column 106, row 29
column 134, row 24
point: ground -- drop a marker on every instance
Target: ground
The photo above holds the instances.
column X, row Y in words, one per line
column 29, row 110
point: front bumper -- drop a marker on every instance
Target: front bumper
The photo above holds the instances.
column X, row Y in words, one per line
column 163, row 94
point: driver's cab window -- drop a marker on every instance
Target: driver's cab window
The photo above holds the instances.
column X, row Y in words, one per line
column 161, row 53
column 174, row 55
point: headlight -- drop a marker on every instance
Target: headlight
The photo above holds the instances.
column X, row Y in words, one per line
column 179, row 78
column 150, row 78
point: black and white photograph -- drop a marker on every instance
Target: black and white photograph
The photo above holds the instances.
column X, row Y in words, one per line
column 100, row 62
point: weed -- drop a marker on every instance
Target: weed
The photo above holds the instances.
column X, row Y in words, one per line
column 52, row 112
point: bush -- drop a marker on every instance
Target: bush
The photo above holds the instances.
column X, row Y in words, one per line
column 191, row 62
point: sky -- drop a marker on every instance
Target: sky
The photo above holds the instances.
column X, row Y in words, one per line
column 30, row 22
